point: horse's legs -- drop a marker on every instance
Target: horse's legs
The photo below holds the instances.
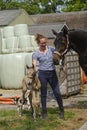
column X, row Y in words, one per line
column 23, row 96
column 30, row 99
column 34, row 112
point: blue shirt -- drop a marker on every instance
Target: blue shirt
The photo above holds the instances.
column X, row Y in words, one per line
column 45, row 59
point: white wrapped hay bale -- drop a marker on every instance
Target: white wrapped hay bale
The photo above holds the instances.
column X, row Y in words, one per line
column 4, row 49
column 1, row 32
column 21, row 29
column 3, row 43
column 12, row 42
column 8, row 31
column 0, row 40
column 33, row 41
column 12, row 69
column 9, row 45
column 25, row 43
column 28, row 59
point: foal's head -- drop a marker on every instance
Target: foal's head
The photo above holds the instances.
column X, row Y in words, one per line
column 33, row 80
column 61, row 44
column 31, row 73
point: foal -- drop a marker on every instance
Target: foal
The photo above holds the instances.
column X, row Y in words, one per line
column 31, row 90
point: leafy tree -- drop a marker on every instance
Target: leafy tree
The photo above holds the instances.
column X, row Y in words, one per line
column 43, row 6
column 76, row 5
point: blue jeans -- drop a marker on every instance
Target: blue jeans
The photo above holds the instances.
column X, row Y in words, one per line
column 51, row 78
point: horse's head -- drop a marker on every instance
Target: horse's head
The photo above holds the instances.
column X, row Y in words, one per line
column 61, row 44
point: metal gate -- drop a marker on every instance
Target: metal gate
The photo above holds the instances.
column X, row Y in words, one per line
column 70, row 75
column 73, row 73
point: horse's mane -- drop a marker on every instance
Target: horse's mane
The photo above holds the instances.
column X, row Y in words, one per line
column 77, row 30
column 72, row 29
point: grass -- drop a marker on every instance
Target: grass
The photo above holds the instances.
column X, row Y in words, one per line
column 9, row 120
column 82, row 104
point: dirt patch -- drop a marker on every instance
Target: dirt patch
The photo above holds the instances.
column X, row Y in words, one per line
column 75, row 123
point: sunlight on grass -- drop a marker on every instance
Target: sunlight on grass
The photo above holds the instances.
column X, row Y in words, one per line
column 7, row 113
column 9, row 120
column 69, row 115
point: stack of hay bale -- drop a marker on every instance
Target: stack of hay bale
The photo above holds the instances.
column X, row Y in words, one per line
column 16, row 49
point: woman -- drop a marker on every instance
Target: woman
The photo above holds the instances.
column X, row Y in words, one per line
column 47, row 73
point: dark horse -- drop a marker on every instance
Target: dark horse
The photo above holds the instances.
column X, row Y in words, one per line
column 74, row 39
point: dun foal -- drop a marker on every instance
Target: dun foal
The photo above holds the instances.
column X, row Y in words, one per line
column 30, row 92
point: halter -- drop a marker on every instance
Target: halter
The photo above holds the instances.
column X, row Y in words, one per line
column 64, row 52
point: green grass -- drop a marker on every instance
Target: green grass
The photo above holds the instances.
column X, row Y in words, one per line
column 10, row 120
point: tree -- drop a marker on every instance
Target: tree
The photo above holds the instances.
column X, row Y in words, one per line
column 76, row 5
column 43, row 6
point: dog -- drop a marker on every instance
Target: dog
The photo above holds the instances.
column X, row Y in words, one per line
column 30, row 92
